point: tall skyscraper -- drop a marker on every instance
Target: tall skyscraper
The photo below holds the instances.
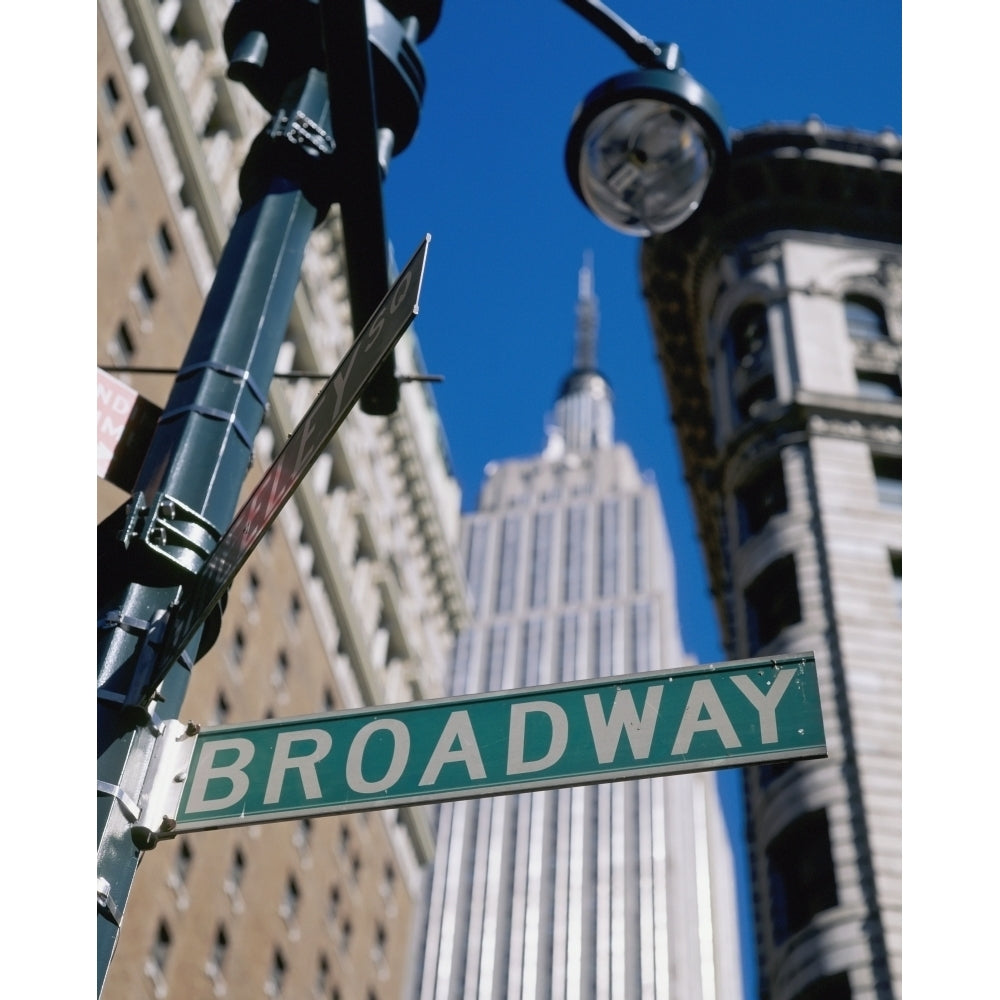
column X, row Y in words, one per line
column 619, row 890
column 777, row 316
column 352, row 598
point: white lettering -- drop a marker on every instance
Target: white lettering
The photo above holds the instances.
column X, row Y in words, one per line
column 402, row 288
column 109, row 428
column 516, row 764
column 766, row 704
column 305, row 433
column 457, row 728
column 400, row 754
column 233, row 773
column 704, row 696
column 607, row 734
column 283, row 762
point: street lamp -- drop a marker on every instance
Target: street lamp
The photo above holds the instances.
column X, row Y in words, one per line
column 643, row 146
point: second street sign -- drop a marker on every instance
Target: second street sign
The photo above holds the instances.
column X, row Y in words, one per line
column 305, row 444
column 606, row 729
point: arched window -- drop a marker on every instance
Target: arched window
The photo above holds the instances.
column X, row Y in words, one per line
column 751, row 364
column 865, row 317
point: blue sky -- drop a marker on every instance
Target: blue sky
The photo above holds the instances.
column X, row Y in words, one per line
column 485, row 177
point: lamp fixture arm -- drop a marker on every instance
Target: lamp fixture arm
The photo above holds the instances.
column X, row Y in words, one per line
column 641, row 50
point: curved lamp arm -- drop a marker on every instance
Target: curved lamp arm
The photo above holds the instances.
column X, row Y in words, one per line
column 641, row 50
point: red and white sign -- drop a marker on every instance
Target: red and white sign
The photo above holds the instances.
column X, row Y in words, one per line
column 115, row 401
column 125, row 425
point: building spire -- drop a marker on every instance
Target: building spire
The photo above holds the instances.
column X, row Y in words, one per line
column 584, row 418
column 585, row 354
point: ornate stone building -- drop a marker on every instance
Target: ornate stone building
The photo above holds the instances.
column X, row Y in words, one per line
column 352, row 598
column 777, row 317
column 620, row 890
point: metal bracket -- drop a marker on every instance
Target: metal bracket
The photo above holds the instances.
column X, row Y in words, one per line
column 172, row 532
column 138, row 695
column 105, row 902
column 129, row 806
column 160, row 797
column 175, row 532
column 300, row 130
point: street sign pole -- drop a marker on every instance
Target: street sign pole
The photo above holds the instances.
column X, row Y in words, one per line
column 611, row 728
column 152, row 549
column 184, row 495
column 369, row 352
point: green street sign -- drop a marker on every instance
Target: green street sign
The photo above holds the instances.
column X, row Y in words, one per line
column 607, row 729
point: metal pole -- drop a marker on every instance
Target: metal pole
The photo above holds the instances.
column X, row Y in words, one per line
column 344, row 28
column 189, row 484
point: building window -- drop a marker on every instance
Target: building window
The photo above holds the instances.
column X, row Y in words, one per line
column 221, row 712
column 378, row 948
column 573, row 554
column 164, row 244
column 772, row 602
column 333, row 904
column 122, row 347
column 749, row 346
column 510, row 537
column 302, row 837
column 865, row 318
column 237, row 648
column 322, row 975
column 294, row 610
column 276, row 980
column 112, row 95
column 161, row 947
column 800, row 869
column 145, row 290
column 213, row 967
column 761, row 498
column 896, row 563
column 290, row 904
column 280, row 673
column 106, row 184
column 388, row 885
column 888, row 479
column 879, row 385
column 345, row 935
column 128, row 139
column 233, row 882
column 177, row 878
column 837, row 987
column 607, row 546
column 251, row 590
column 541, row 547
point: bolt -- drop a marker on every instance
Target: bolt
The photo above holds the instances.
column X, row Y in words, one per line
column 167, row 825
column 192, row 729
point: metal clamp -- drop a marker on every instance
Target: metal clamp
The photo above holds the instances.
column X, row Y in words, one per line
column 105, row 902
column 300, row 130
column 163, row 784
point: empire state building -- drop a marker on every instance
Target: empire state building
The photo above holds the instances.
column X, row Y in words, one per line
column 618, row 890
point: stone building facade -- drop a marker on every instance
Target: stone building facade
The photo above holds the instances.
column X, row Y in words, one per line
column 776, row 312
column 352, row 598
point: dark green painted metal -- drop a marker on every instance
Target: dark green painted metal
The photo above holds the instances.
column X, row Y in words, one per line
column 194, row 470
